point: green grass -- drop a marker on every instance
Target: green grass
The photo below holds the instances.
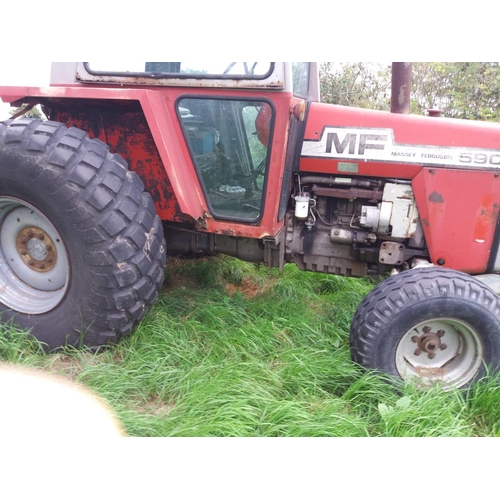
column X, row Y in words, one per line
column 233, row 349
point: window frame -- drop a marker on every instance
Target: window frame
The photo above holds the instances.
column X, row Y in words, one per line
column 216, row 216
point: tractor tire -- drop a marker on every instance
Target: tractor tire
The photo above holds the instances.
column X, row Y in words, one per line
column 82, row 252
column 430, row 325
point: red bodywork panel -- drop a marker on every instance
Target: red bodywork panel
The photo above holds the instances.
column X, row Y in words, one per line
column 142, row 126
column 408, row 129
column 453, row 164
column 459, row 211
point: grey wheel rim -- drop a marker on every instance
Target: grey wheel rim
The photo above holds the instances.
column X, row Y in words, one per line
column 444, row 350
column 34, row 269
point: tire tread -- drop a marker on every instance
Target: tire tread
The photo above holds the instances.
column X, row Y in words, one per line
column 410, row 287
column 122, row 237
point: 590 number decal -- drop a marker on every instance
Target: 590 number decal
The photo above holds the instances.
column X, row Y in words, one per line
column 480, row 158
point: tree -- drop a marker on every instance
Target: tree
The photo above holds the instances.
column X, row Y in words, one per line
column 363, row 85
column 467, row 90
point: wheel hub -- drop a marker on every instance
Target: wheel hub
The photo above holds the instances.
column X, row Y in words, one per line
column 429, row 342
column 36, row 249
column 422, row 353
column 34, row 266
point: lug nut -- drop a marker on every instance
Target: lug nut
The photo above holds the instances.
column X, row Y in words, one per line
column 426, row 329
column 23, row 241
column 440, row 333
column 41, row 237
column 443, row 347
column 49, row 260
column 30, row 234
column 431, row 355
column 418, row 352
column 23, row 252
column 49, row 248
column 31, row 262
column 414, row 339
column 41, row 266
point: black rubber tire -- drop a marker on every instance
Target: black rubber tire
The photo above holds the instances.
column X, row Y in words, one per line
column 389, row 313
column 113, row 238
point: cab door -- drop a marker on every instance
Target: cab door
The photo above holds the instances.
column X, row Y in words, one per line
column 228, row 140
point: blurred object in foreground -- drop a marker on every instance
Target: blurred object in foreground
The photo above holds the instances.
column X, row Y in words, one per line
column 36, row 404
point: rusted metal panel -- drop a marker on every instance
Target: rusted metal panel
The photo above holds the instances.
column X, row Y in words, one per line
column 126, row 132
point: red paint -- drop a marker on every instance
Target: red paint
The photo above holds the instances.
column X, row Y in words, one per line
column 263, row 124
column 458, row 208
column 125, row 130
column 170, row 155
column 408, row 129
column 371, row 169
column 486, row 217
column 460, row 228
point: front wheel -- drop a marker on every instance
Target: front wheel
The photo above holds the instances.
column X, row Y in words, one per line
column 82, row 252
column 430, row 325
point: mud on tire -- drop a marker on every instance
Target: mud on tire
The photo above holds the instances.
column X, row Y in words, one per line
column 82, row 252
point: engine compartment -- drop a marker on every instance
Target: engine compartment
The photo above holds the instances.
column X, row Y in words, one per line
column 353, row 226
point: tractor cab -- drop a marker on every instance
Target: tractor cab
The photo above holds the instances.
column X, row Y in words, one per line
column 301, row 78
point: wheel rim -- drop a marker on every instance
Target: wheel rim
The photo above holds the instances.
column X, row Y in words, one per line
column 442, row 350
column 34, row 270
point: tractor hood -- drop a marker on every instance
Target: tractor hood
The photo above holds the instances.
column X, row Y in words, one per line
column 341, row 139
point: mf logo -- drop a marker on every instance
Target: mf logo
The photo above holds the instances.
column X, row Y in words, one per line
column 354, row 143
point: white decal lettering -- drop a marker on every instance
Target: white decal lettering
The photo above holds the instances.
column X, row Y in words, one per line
column 372, row 144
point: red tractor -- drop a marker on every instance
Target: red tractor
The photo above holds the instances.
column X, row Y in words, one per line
column 242, row 159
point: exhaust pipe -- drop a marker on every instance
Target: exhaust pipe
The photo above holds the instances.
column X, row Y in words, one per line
column 400, row 87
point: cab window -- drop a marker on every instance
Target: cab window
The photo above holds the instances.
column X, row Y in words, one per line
column 190, row 69
column 229, row 141
column 300, row 78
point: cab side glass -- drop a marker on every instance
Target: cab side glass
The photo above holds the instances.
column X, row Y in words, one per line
column 300, row 78
column 229, row 143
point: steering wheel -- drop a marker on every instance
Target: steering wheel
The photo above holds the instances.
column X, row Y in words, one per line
column 229, row 68
column 248, row 71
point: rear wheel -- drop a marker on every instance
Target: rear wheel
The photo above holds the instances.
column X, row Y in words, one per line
column 430, row 325
column 82, row 252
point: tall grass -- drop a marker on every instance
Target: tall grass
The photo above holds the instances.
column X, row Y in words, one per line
column 233, row 349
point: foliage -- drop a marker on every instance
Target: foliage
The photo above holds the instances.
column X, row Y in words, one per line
column 467, row 90
column 258, row 151
column 235, row 349
column 34, row 112
column 363, row 85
